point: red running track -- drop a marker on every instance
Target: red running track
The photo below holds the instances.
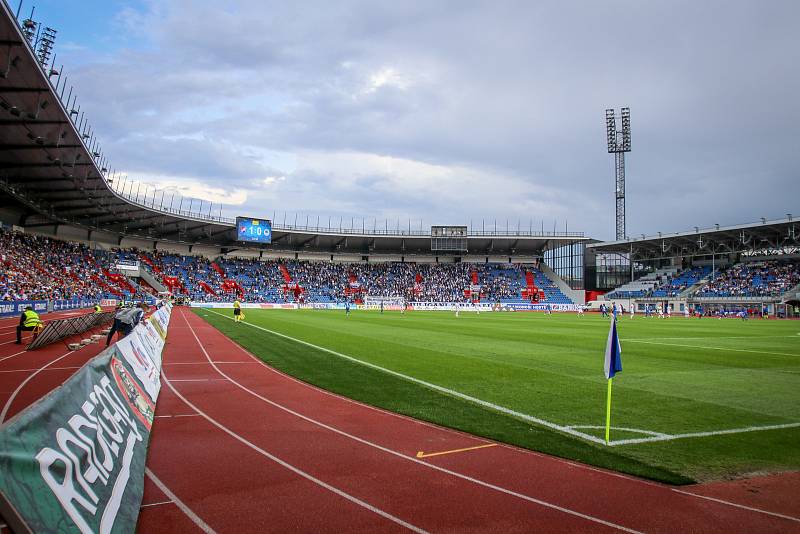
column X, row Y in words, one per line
column 240, row 447
column 26, row 376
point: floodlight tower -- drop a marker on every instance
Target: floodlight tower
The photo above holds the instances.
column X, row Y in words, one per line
column 619, row 142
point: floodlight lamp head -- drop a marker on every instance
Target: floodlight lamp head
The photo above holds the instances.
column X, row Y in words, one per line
column 611, row 130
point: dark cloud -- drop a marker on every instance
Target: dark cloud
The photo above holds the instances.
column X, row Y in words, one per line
column 511, row 95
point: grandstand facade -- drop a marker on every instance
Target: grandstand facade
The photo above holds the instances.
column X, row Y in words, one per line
column 753, row 268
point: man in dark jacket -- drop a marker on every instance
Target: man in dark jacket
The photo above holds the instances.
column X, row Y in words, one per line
column 125, row 320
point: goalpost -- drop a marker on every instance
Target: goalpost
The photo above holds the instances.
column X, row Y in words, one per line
column 389, row 303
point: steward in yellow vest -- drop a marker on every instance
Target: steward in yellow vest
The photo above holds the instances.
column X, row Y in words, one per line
column 28, row 321
column 97, row 308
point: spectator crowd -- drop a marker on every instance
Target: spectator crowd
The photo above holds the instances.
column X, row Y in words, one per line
column 39, row 268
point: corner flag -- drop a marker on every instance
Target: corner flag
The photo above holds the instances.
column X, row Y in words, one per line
column 613, row 365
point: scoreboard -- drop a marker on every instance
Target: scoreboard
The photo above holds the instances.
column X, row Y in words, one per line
column 449, row 238
column 253, row 230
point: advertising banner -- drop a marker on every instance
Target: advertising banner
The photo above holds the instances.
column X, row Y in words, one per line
column 74, row 461
column 248, row 305
column 419, row 306
column 72, row 304
column 16, row 307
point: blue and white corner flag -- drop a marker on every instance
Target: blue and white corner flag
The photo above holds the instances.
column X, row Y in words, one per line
column 613, row 363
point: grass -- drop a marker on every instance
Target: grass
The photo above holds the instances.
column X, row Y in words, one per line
column 680, row 376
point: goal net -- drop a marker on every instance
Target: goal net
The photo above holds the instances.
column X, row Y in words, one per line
column 374, row 302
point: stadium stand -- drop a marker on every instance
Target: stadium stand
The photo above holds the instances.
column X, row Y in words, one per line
column 66, row 271
column 762, row 279
column 75, row 270
column 662, row 283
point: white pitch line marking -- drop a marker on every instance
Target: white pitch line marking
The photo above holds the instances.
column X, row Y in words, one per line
column 669, row 437
column 543, row 422
column 401, row 455
column 705, row 347
column 736, row 505
column 202, row 525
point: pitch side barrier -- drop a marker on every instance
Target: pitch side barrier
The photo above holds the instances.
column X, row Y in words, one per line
column 16, row 307
column 74, row 461
column 59, row 329
column 421, row 306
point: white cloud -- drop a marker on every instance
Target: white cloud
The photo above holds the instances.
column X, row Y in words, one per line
column 387, row 77
column 189, row 188
column 457, row 110
column 272, row 180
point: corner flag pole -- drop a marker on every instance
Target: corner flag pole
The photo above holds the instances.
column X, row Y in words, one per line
column 611, row 366
column 608, row 411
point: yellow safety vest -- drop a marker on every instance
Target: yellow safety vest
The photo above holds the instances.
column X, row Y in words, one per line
column 31, row 318
column 97, row 308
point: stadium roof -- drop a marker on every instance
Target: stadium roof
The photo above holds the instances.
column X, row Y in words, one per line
column 768, row 237
column 52, row 171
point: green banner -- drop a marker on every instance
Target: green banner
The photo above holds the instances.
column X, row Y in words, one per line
column 75, row 460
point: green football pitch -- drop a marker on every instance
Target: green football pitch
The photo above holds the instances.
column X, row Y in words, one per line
column 697, row 399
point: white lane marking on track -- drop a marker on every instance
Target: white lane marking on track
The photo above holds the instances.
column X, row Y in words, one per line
column 198, row 379
column 15, row 354
column 48, row 369
column 150, row 504
column 737, row 505
column 16, row 391
column 291, row 467
column 442, row 428
column 411, row 458
column 561, row 428
column 202, row 525
column 203, row 363
column 180, row 415
column 705, row 347
column 452, row 392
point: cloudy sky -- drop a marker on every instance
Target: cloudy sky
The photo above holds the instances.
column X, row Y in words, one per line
column 446, row 112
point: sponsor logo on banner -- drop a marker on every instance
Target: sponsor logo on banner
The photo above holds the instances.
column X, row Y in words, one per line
column 134, row 352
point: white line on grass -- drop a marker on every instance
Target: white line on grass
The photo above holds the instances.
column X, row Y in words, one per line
column 705, row 347
column 711, row 337
column 668, row 437
column 525, row 417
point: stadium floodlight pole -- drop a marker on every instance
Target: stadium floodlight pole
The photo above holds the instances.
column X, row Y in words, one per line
column 619, row 142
